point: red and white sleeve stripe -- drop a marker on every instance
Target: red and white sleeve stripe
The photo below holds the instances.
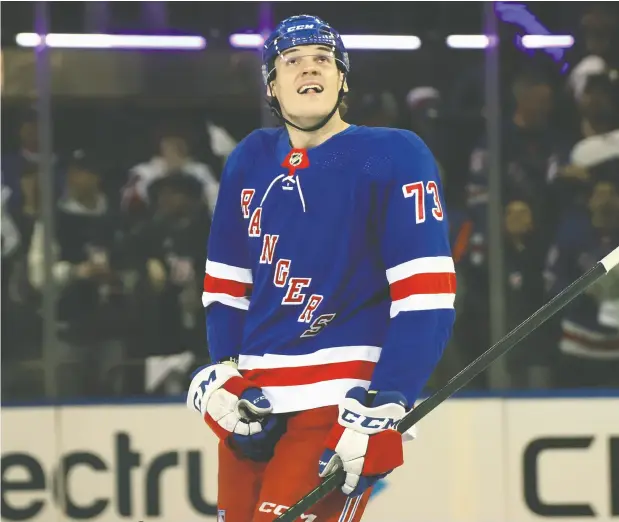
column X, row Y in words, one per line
column 426, row 283
column 227, row 284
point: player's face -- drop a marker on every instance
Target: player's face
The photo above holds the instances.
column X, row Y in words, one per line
column 307, row 82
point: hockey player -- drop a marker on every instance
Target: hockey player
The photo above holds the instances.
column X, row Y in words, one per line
column 329, row 290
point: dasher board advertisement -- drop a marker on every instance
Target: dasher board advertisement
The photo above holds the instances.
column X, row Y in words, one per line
column 475, row 460
column 563, row 460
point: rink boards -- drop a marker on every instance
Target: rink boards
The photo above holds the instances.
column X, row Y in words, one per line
column 475, row 460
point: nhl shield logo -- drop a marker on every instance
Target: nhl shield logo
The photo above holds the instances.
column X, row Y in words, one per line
column 296, row 158
column 221, row 515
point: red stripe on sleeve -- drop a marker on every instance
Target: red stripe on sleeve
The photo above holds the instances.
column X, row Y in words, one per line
column 433, row 283
column 215, row 285
column 296, row 376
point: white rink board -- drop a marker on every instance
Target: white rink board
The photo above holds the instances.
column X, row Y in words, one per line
column 159, row 462
column 574, row 466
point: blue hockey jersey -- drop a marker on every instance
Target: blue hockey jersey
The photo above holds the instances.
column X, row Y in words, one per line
column 330, row 268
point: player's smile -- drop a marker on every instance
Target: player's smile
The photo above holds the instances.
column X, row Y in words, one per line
column 310, row 87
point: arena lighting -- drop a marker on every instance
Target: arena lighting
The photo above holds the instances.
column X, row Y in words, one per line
column 253, row 41
column 379, row 42
column 113, row 41
column 467, row 41
column 529, row 41
column 546, row 41
column 246, row 40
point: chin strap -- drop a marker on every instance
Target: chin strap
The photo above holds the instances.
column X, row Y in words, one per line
column 277, row 112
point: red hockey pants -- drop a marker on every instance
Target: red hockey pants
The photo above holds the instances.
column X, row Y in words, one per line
column 259, row 492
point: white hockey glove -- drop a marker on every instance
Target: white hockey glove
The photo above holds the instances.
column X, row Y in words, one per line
column 364, row 441
column 235, row 409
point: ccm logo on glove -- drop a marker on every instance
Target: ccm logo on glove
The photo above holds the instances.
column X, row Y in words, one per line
column 363, row 442
column 350, row 418
column 197, row 397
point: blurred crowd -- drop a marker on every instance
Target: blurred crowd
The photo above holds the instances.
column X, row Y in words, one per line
column 128, row 261
column 560, row 195
column 129, row 247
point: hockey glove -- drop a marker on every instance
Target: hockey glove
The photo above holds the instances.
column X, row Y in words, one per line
column 364, row 441
column 236, row 410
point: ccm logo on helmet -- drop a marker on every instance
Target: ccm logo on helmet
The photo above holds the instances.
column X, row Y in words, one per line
column 299, row 27
column 383, row 423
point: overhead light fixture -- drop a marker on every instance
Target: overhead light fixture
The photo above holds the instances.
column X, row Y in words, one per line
column 378, row 42
column 246, row 40
column 381, row 42
column 112, row 41
column 468, row 41
column 547, row 41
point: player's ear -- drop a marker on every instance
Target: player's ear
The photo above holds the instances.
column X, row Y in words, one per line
column 271, row 90
column 345, row 86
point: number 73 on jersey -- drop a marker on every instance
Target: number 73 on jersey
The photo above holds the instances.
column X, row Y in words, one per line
column 418, row 191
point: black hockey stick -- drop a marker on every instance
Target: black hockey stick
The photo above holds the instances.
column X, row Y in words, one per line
column 336, row 479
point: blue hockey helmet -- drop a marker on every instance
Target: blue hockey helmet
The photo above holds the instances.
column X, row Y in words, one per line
column 302, row 30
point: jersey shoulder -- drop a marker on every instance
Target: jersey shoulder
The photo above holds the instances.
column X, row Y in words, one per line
column 393, row 139
column 406, row 152
column 260, row 140
column 257, row 142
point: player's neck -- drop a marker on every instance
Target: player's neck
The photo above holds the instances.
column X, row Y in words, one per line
column 307, row 140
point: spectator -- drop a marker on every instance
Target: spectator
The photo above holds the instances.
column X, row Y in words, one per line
column 172, row 247
column 425, row 108
column 11, row 242
column 599, row 107
column 92, row 301
column 26, row 211
column 596, row 156
column 24, row 159
column 377, row 110
column 174, row 157
column 10, row 234
column 21, row 332
column 524, row 289
column 528, row 146
column 600, row 25
column 589, row 345
column 523, row 286
column 528, row 154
